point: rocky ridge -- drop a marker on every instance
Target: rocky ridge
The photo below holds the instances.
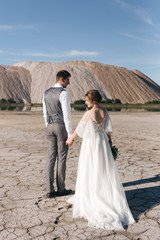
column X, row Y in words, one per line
column 130, row 86
column 44, row 76
column 15, row 82
column 27, row 81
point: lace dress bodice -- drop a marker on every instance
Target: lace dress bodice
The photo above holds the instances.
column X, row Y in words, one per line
column 98, row 126
column 88, row 126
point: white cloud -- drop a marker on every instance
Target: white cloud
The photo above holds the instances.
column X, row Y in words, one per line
column 157, row 36
column 144, row 16
column 72, row 53
column 122, row 4
column 28, row 54
column 140, row 38
column 37, row 54
column 6, row 52
column 141, row 13
column 15, row 27
column 82, row 53
column 14, row 60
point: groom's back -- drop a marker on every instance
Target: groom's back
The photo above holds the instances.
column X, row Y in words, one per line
column 53, row 105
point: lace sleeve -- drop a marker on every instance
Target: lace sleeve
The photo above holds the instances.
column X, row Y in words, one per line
column 108, row 125
column 85, row 128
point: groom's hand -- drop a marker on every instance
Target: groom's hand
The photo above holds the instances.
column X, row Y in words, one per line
column 69, row 142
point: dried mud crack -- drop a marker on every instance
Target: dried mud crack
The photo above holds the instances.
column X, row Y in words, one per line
column 26, row 214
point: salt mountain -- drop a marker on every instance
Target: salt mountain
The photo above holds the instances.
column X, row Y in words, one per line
column 27, row 81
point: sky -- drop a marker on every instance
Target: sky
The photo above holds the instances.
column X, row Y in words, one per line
column 123, row 33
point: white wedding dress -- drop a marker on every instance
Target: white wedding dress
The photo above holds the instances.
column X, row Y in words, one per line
column 99, row 195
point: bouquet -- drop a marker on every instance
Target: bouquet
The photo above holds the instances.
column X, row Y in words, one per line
column 114, row 150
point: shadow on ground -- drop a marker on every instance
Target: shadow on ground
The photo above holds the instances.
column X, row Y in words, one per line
column 142, row 199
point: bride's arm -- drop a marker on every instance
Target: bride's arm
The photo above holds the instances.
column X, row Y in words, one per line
column 70, row 140
column 79, row 129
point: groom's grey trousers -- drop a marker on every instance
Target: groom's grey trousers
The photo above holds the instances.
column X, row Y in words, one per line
column 57, row 149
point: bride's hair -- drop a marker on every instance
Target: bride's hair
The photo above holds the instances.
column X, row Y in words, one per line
column 94, row 95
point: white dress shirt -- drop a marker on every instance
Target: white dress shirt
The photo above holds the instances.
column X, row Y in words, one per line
column 64, row 99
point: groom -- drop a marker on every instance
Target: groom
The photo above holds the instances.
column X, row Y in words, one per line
column 57, row 114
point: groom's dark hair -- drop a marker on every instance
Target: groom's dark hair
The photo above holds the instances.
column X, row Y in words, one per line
column 62, row 74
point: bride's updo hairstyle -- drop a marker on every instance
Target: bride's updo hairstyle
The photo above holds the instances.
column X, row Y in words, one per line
column 94, row 95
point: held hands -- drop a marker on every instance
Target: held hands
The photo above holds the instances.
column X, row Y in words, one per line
column 69, row 142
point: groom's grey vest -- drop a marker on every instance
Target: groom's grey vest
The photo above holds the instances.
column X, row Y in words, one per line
column 53, row 105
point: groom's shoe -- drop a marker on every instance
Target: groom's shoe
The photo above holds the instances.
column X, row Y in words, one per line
column 64, row 192
column 51, row 195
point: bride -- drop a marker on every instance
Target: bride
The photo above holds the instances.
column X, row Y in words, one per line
column 99, row 195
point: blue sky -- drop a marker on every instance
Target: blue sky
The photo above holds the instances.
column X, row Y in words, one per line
column 124, row 33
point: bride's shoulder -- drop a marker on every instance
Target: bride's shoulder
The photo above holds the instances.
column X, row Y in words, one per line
column 85, row 116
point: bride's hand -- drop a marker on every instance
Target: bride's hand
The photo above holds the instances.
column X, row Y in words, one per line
column 69, row 142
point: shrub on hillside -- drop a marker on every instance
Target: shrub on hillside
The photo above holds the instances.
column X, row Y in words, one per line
column 3, row 100
column 112, row 101
column 11, row 100
column 117, row 101
column 108, row 101
column 153, row 102
column 81, row 101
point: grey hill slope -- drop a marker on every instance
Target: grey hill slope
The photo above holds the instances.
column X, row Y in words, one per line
column 15, row 83
column 28, row 81
column 130, row 86
column 44, row 76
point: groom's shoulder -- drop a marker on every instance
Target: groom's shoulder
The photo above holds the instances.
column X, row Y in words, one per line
column 64, row 94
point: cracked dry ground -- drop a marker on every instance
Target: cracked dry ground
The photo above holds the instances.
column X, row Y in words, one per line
column 24, row 211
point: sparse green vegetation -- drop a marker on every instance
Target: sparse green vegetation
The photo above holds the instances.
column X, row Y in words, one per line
column 153, row 102
column 3, row 100
column 108, row 101
column 80, row 101
column 117, row 105
column 80, row 108
column 79, row 105
column 10, row 100
column 117, row 101
column 112, row 101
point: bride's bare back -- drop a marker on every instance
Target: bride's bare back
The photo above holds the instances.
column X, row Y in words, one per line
column 98, row 114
